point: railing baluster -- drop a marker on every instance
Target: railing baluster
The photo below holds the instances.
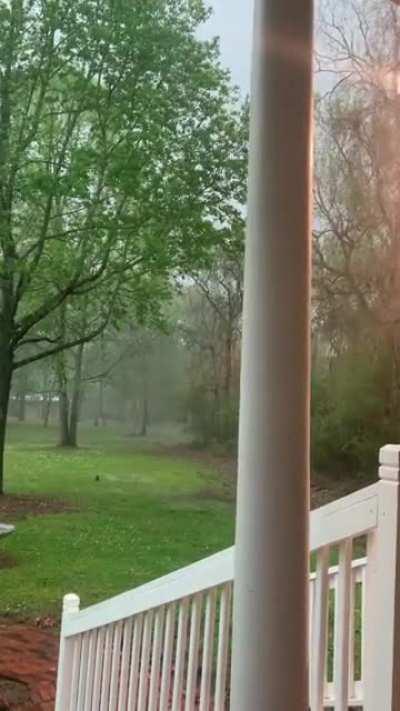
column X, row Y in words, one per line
column 125, row 661
column 83, row 672
column 145, row 661
column 105, row 681
column 223, row 647
column 98, row 669
column 90, row 670
column 167, row 657
column 352, row 671
column 363, row 650
column 193, row 660
column 180, row 655
column 208, row 649
column 329, row 692
column 115, row 666
column 342, row 627
column 310, row 623
column 76, row 664
column 320, row 612
column 156, row 660
column 135, row 659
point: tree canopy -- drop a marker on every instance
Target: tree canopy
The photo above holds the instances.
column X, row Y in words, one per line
column 122, row 162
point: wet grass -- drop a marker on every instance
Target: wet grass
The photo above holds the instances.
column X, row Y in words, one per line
column 135, row 515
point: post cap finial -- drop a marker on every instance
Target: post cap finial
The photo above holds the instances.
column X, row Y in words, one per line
column 389, row 460
column 71, row 603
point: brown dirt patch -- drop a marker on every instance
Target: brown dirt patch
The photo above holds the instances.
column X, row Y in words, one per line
column 17, row 507
column 28, row 664
column 7, row 560
column 224, row 464
column 323, row 489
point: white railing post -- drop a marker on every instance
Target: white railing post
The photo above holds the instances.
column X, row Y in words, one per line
column 381, row 663
column 65, row 659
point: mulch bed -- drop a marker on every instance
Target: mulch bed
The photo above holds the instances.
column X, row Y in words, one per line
column 18, row 507
column 28, row 650
column 28, row 667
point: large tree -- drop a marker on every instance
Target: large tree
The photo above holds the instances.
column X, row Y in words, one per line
column 357, row 235
column 357, row 229
column 121, row 159
column 210, row 328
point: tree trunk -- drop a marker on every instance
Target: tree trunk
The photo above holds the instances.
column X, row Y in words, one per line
column 46, row 410
column 76, row 399
column 228, row 365
column 64, row 418
column 101, row 418
column 64, row 404
column 62, row 380
column 5, row 387
column 73, row 421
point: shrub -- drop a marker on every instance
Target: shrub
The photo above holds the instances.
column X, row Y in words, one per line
column 214, row 420
column 351, row 415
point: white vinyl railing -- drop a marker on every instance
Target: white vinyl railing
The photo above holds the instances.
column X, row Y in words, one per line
column 166, row 644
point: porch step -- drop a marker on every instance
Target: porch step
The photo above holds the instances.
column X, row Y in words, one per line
column 28, row 664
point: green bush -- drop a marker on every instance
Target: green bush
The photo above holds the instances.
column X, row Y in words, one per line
column 352, row 415
column 214, row 420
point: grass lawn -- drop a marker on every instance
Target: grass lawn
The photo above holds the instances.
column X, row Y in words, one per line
column 147, row 515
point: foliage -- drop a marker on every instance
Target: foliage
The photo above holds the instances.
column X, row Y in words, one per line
column 211, row 332
column 210, row 422
column 350, row 415
column 122, row 163
column 356, row 237
column 120, row 154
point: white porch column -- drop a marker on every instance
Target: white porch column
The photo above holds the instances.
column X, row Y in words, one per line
column 269, row 666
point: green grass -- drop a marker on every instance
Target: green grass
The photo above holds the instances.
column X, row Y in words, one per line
column 147, row 515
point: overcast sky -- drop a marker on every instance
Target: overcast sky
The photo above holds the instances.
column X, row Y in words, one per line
column 232, row 22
